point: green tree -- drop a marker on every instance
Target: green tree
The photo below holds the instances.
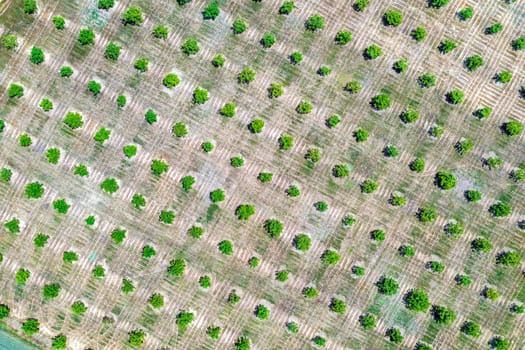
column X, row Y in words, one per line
column 177, row 267
column 5, row 174
column 86, row 36
column 34, row 190
column 46, row 104
column 273, row 227
column 499, row 343
column 51, row 291
column 285, row 142
column 73, row 120
column 427, row 80
column 166, row 216
column 518, row 43
column 10, row 42
column 105, row 4
column 509, row 258
column 207, row 146
column 190, row 47
column 418, row 34
column 313, row 155
column 500, row 209
column 454, row 229
column 136, row 337
column 417, row 165
column 337, row 305
column 361, row 135
column 358, row 270
column 387, row 286
column 262, row 312
column 118, row 235
column 513, row 128
column 4, row 311
column 268, row 40
column 254, row 261
column 225, row 247
column 417, row 300
column 348, row 221
column 472, row 195
column 481, row 245
column 237, row 162
column 66, row 71
column 333, row 121
column 213, row 332
column 211, row 11
column 59, row 342
column 171, row 80
column 455, row 97
column 80, row 170
column 275, row 90
column 244, row 211
column 25, row 140
column 293, row 191
column 437, row 3
column 98, row 271
column 340, row 170
column 184, row 319
column 148, row 252
column 30, row 326
column 141, row 64
column 353, row 87
column 483, row 112
column 13, row 225
column 380, row 102
column 310, row 292
column 69, row 257
column 427, row 214
column 471, row 328
column 256, row 126
column 282, row 275
column 314, row 23
column 78, row 308
column 330, row 257
column 94, row 87
column 109, row 185
column 443, row 315
column 394, row 335
column 324, row 71
column 217, row 196
column 407, row 251
column 321, row 206
column 15, row 91
column 494, row 28
column 102, row 135
column 160, row 32
column 121, row 101
column 218, row 61
column 390, row 151
column 242, row 343
column 409, row 116
column 286, row 8
column 369, row 186
column 159, row 167
column 504, row 77
column 246, row 76
column 61, row 206
column 446, row 46
column 156, row 300
column 445, row 180
column 360, row 5
column 187, row 183
column 319, row 341
column 127, row 286
column 112, row 51
column 302, row 242
column 22, row 275
column 367, row 321
column 304, row 107
column 36, row 55
column 133, row 16
column 473, row 62
column 239, row 26
column 233, row 298
column 400, row 66
column 466, row 13
column 129, row 151
column 228, row 110
column 392, row 18
column 463, row 280
column 372, row 52
column 490, row 293
column 343, row 37
column 179, row 129
column 40, row 240
column 30, row 7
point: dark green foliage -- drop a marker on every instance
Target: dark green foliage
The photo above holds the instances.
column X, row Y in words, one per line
column 360, row 5
column 127, row 286
column 472, row 195
column 358, row 270
column 268, row 40
column 237, row 162
column 2, row 126
column 473, row 62
column 330, row 257
column 353, row 87
column 31, row 325
column 228, row 110
column 508, row 258
column 446, row 46
column 66, row 71
column 59, row 22
column 394, row 335
column 244, row 211
column 213, row 332
column 179, row 129
column 4, row 311
column 177, row 267
column 98, row 271
column 513, row 128
column 190, row 47
column 292, row 327
column 217, row 195
column 285, row 142
column 369, row 186
column 80, row 170
column 246, row 76
column 392, row 18
column 171, row 80
column 160, row 32
column 490, row 293
column 319, row 341
column 483, row 112
column 372, row 52
column 380, row 102
column 187, row 182
column 407, row 251
column 435, row 266
column 427, row 214
column 150, row 116
column 262, row 312
column 518, row 43
column 40, row 240
column 455, row 97
column 141, row 64
column 129, row 151
column 463, row 280
column 51, row 291
column 400, row 66
column 34, row 190
column 427, row 80
column 417, row 165
column 499, row 343
column 273, row 227
column 12, row 225
column 233, row 298
column 378, row 235
column 390, row 151
column 166, row 216
column 275, row 90
column 314, row 23
column 156, row 300
column 313, row 155
column 46, row 105
column 466, row 13
column 437, row 3
column 25, row 140
column 211, row 11
column 515, row 308
column 218, row 61
column 78, row 308
column 253, row 262
column 337, row 305
column 106, row 4
column 59, row 342
column 500, row 209
column 304, row 107
column 398, row 201
column 30, row 6
column 10, row 42
column 22, row 275
column 445, row 180
column 333, row 121
column 324, row 71
column 136, row 337
column 409, row 116
column 387, row 286
column 293, row 191
column 94, row 87
column 37, row 55
column 417, row 300
column 195, row 232
column 310, row 292
column 15, row 90
column 102, row 135
column 109, row 185
column 471, row 328
column 302, row 242
column 504, row 77
column 256, row 126
column 86, row 37
column 61, row 206
column 133, row 16
column 418, row 34
column 343, row 37
column 5, row 174
column 494, row 163
column 73, row 120
column 340, row 170
column 321, row 206
column 361, row 135
column 464, row 146
column 69, row 257
column 183, row 2
column 454, row 229
column 481, row 245
column 493, row 29
column 112, row 51
column 118, row 235
column 282, row 275
column 239, row 26
column 207, row 146
column 90, row 220
column 367, row 321
column 443, row 315
column 205, row 281
column 225, row 247
column 242, row 343
column 286, row 8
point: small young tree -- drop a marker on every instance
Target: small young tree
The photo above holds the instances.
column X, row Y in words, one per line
column 313, row 155
column 109, row 185
column 133, row 16
column 380, row 102
column 330, row 257
column 102, row 135
column 190, row 47
column 141, row 64
column 302, row 242
column 176, row 267
column 387, row 286
column 409, row 116
column 46, row 105
column 213, row 332
column 30, row 326
column 211, row 11
column 446, row 46
column 5, row 174
column 15, row 91
column 86, row 37
column 418, row 34
column 36, row 55
column 160, row 32
column 340, row 170
column 473, row 62
column 112, row 51
column 343, row 37
column 244, row 211
column 225, row 247
column 314, row 23
column 246, row 76
column 417, row 300
column 171, row 80
column 392, row 18
column 372, row 52
column 262, row 312
column 267, row 40
column 25, row 140
column 481, row 245
column 80, row 170
column 427, row 80
column 394, row 335
column 490, row 293
column 156, row 300
column 455, row 97
column 338, row 306
column 118, row 235
column 472, row 195
column 286, row 8
column 435, row 266
column 218, row 61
